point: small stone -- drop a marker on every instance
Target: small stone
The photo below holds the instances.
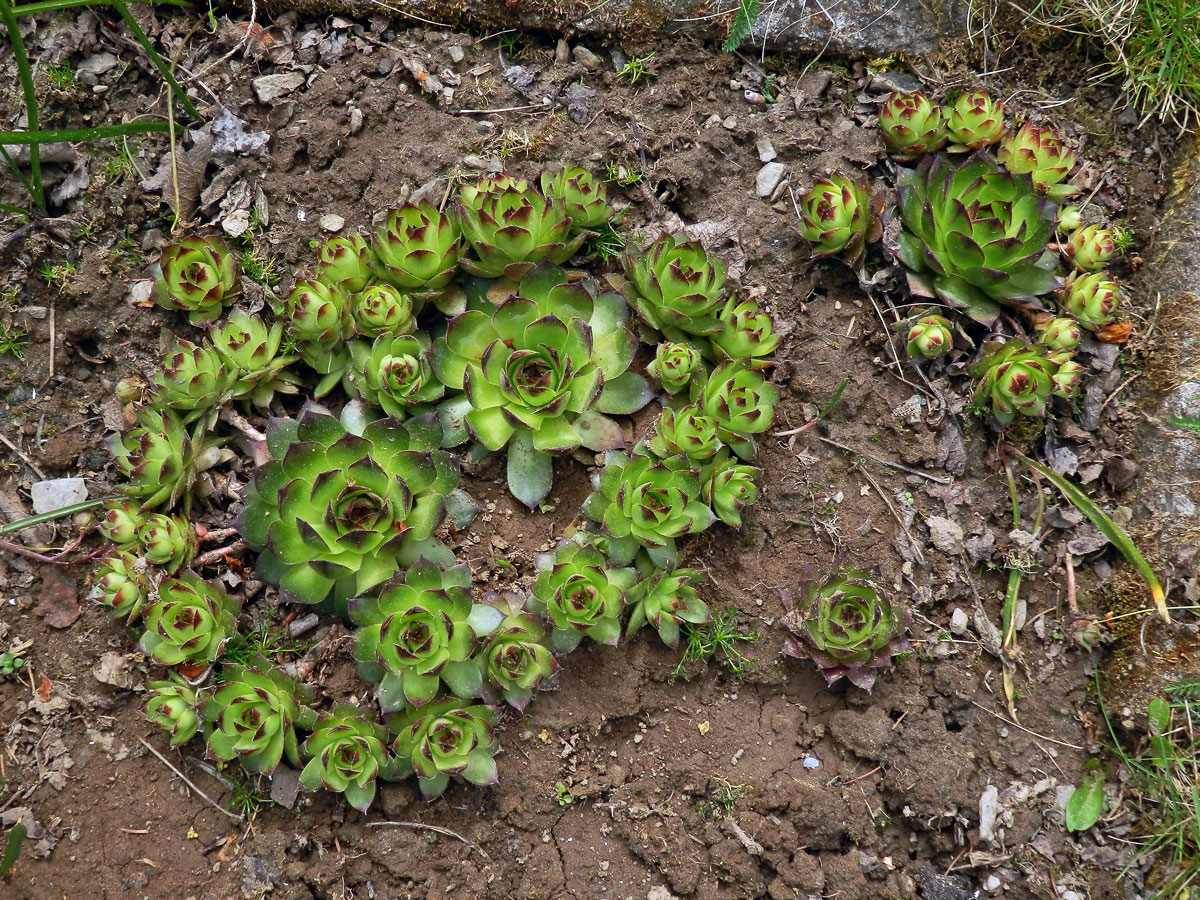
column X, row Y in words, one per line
column 729, row 123
column 36, row 312
column 285, row 785
column 992, row 884
column 585, row 57
column 959, row 621
column 57, row 493
column 989, row 811
column 894, row 81
column 768, row 178
column 457, row 53
column 946, row 534
column 766, row 150
column 236, row 223
column 269, row 88
column 89, row 71
column 562, row 52
column 332, row 222
column 658, row 892
column 811, row 762
column 303, row 625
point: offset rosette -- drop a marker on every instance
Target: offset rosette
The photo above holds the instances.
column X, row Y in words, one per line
column 1060, row 334
column 381, row 309
column 449, row 737
column 675, row 287
column 174, row 708
column 249, row 348
column 345, row 754
column 847, row 625
column 253, row 713
column 167, row 541
column 1041, row 153
column 1015, row 378
column 154, row 457
column 345, row 262
column 1092, row 299
column 191, row 622
column 687, row 431
column 516, row 660
column 976, row 121
column 396, row 374
column 911, row 124
column 580, row 595
column 746, row 333
column 123, row 584
column 839, row 215
column 338, row 510
column 192, row 380
column 417, row 248
column 666, row 599
column 929, row 337
column 198, row 276
column 740, row 400
column 584, row 198
column 674, row 366
column 729, row 487
column 1089, row 247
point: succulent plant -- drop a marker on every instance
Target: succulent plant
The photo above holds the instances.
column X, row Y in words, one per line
column 154, row 457
column 687, row 431
column 1068, row 379
column 123, row 584
column 929, row 336
column 847, row 624
column 1060, row 334
column 728, row 486
column 120, row 522
column 1093, row 299
column 675, row 287
column 1014, row 377
column 975, row 236
column 198, row 276
column 746, row 333
column 249, row 349
column 345, row 754
column 417, row 634
column 643, row 502
column 1041, row 153
column 345, row 262
column 664, row 599
column 191, row 622
column 1089, row 247
column 742, row 402
column 320, row 314
column 975, row 121
column 515, row 660
column 839, row 215
column 167, row 541
column 396, row 374
column 192, row 380
column 540, row 372
column 174, row 708
column 911, row 124
column 512, row 228
column 254, row 713
column 580, row 595
column 584, row 197
column 675, row 365
column 417, row 248
column 381, row 309
column 343, row 505
column 449, row 737
column 1069, row 218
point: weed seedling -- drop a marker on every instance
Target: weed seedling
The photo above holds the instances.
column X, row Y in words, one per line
column 10, row 663
column 717, row 639
column 722, row 798
column 61, row 76
column 635, row 69
column 260, row 269
column 620, row 175
column 562, row 795
column 13, row 341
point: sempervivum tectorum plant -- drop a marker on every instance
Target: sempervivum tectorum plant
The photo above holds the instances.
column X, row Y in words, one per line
column 321, row 321
column 746, row 332
column 345, row 754
column 515, row 660
column 511, row 228
column 742, row 402
column 1092, row 299
column 167, row 541
column 911, row 124
column 675, row 287
column 847, row 624
column 345, row 262
column 253, row 714
column 191, row 622
column 122, row 583
column 396, row 374
column 976, row 121
column 417, row 634
column 1069, row 377
column 154, row 457
column 687, row 431
column 675, row 365
column 839, row 215
column 381, row 309
column 665, row 599
column 975, row 236
column 120, row 523
column 584, row 197
column 343, row 505
column 198, row 276
column 1060, row 334
column 580, row 595
column 417, row 248
column 540, row 372
column 249, row 349
column 728, row 486
column 174, row 708
column 1041, row 153
column 928, row 337
column 1089, row 247
column 449, row 737
column 642, row 502
column 1014, row 377
column 192, row 380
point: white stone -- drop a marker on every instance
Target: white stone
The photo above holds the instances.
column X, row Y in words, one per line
column 332, row 222
column 989, row 811
column 57, row 493
column 946, row 534
column 268, row 88
column 766, row 151
column 769, row 177
column 959, row 621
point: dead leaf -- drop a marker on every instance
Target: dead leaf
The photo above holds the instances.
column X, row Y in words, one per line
column 59, row 603
column 44, row 689
column 1116, row 333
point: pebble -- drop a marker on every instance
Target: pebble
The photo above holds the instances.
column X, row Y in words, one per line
column 766, row 150
column 457, row 53
column 959, row 621
column 236, row 223
column 585, row 57
column 37, row 312
column 332, row 222
column 658, row 892
column 992, row 884
column 303, row 625
column 268, row 88
column 945, row 534
column 90, row 70
column 989, row 810
column 811, row 762
column 57, row 493
column 768, row 178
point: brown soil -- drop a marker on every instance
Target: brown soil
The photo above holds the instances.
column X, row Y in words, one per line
column 830, row 793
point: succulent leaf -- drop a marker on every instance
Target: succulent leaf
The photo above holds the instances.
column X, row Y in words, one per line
column 345, row 754
column 190, row 623
column 253, row 713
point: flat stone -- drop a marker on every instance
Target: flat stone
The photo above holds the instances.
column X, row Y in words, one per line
column 332, row 222
column 586, row 57
column 959, row 622
column 768, row 178
column 57, row 493
column 285, row 785
column 89, row 71
column 946, row 534
column 766, row 150
column 269, row 88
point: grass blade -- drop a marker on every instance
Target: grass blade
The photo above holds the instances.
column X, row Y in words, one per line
column 1111, row 530
column 16, row 837
column 63, row 512
column 32, row 9
column 71, row 135
column 25, row 75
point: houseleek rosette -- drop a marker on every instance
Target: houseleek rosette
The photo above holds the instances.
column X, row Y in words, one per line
column 1089, row 247
column 580, row 595
column 642, row 502
column 975, row 121
column 540, row 373
column 192, row 380
column 190, row 623
column 746, row 332
column 511, row 228
column 417, row 634
column 738, row 397
column 381, row 309
column 173, row 707
column 1060, row 334
column 1014, row 377
column 729, row 486
column 345, row 262
column 167, row 541
column 120, row 522
column 665, row 599
column 154, row 457
column 674, row 366
column 687, row 431
column 417, row 248
column 929, row 337
column 253, row 714
column 1041, row 153
column 975, row 236
column 122, row 583
column 839, row 215
column 321, row 321
column 438, row 740
column 516, row 661
column 911, row 124
column 676, row 287
column 249, row 348
column 345, row 754
column 846, row 624
column 584, row 198
column 1068, row 379
column 198, row 276
column 1092, row 299
column 343, row 505
column 396, row 374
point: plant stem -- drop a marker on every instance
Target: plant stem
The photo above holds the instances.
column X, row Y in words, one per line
column 162, row 67
column 25, row 74
column 62, row 512
column 72, row 135
column 32, row 9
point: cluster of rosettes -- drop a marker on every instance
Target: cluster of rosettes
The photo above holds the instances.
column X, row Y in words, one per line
column 452, row 331
column 978, row 236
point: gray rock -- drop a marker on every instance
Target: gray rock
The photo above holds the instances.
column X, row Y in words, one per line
column 989, row 811
column 269, row 88
column 766, row 151
column 57, row 493
column 285, row 785
column 959, row 621
column 89, row 71
column 457, row 53
column 586, row 57
column 769, row 177
column 946, row 534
